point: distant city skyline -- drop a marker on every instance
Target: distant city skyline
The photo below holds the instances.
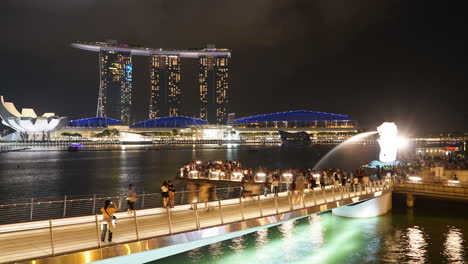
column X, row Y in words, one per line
column 375, row 61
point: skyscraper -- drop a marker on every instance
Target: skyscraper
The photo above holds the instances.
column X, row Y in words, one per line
column 165, row 98
column 115, row 89
column 214, row 84
column 115, row 66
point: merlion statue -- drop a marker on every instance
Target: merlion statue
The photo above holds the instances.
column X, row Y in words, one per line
column 388, row 141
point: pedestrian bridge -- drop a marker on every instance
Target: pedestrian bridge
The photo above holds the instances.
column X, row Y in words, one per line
column 150, row 234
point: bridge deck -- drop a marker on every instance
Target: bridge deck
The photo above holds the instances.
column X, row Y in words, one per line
column 34, row 240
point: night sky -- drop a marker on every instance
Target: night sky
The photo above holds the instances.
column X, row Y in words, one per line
column 402, row 61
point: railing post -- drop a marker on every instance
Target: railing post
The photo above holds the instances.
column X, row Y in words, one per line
column 64, row 205
column 333, row 193
column 260, row 206
column 313, row 196
column 51, row 237
column 303, row 200
column 276, row 204
column 169, row 221
column 143, row 200
column 361, row 188
column 341, row 192
column 221, row 212
column 120, row 201
column 31, row 213
column 290, row 201
column 94, row 203
column 97, row 230
column 242, row 208
column 324, row 195
column 195, row 213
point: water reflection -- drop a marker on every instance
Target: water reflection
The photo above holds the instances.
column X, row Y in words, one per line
column 238, row 244
column 453, row 246
column 315, row 230
column 262, row 237
column 416, row 244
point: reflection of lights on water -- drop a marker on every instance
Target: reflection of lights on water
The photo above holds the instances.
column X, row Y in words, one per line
column 216, row 249
column 416, row 245
column 453, row 246
column 262, row 237
column 316, row 230
column 287, row 229
column 238, row 244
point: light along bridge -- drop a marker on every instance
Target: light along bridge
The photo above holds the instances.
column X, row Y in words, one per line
column 155, row 233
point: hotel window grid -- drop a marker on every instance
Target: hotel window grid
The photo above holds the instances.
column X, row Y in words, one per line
column 115, row 90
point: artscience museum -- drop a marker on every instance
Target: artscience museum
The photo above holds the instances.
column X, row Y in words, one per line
column 27, row 124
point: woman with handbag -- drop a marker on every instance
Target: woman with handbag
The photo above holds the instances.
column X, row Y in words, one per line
column 108, row 220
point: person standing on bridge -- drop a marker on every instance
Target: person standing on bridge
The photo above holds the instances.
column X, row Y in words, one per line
column 171, row 193
column 131, row 198
column 108, row 222
column 165, row 193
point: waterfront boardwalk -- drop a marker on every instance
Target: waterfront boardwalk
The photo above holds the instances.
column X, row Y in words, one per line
column 42, row 240
column 431, row 190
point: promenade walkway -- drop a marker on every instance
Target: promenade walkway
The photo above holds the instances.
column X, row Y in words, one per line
column 41, row 240
column 441, row 191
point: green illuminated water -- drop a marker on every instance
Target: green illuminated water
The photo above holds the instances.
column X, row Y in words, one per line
column 433, row 232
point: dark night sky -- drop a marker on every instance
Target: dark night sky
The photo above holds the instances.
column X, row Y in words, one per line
column 402, row 61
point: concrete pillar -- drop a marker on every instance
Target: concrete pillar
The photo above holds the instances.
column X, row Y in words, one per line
column 409, row 200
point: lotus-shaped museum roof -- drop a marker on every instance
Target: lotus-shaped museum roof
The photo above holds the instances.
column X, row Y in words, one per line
column 27, row 121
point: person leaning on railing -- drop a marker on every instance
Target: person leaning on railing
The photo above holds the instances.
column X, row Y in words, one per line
column 108, row 220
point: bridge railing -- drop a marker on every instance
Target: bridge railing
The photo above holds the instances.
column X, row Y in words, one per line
column 415, row 187
column 36, row 210
column 58, row 236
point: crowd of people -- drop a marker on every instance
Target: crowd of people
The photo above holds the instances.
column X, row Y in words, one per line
column 450, row 161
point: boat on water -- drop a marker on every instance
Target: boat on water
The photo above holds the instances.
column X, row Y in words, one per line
column 74, row 147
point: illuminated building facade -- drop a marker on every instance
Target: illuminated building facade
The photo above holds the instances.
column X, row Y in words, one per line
column 214, row 84
column 115, row 90
column 165, row 97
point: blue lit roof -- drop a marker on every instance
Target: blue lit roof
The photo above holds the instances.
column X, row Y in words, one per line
column 94, row 122
column 171, row 122
column 292, row 116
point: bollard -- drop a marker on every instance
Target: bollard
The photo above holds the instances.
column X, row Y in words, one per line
column 341, row 192
column 97, row 231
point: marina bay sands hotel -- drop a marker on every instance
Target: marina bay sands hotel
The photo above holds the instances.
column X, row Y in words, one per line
column 115, row 69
